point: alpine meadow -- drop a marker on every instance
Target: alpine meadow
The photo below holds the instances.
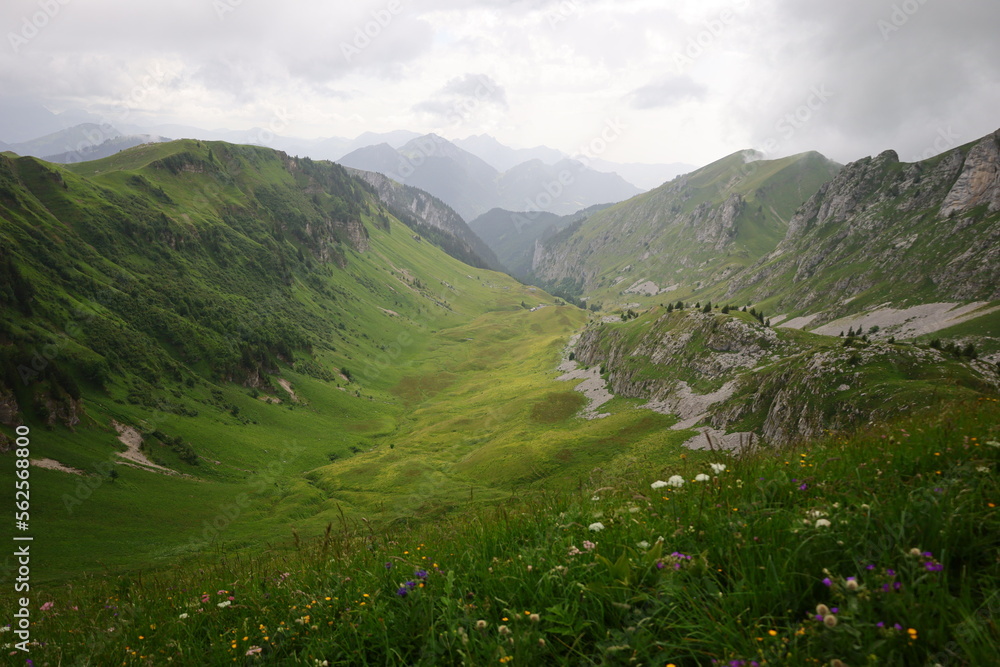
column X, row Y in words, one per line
column 454, row 397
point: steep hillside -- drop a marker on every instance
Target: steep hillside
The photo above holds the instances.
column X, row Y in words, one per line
column 183, row 323
column 512, row 234
column 728, row 371
column 884, row 231
column 695, row 231
column 429, row 216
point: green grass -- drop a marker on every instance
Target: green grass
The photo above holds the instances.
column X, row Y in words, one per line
column 893, row 530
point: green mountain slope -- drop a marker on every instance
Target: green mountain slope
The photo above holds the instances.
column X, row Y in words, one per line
column 244, row 311
column 696, row 230
column 884, row 231
column 512, row 234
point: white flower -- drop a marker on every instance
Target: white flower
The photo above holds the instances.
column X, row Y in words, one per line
column 717, row 467
column 597, row 526
column 643, row 545
column 982, row 469
column 676, row 481
column 702, row 478
column 595, row 498
column 184, row 615
column 224, row 604
column 659, row 484
column 822, row 523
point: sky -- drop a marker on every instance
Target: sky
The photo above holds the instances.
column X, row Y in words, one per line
column 653, row 81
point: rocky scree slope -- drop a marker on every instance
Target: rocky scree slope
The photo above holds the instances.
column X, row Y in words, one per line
column 783, row 385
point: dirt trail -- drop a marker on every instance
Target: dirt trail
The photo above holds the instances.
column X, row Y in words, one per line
column 287, row 386
column 132, row 439
column 52, row 464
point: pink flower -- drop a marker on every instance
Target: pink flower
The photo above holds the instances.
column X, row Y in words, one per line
column 47, row 606
column 588, row 545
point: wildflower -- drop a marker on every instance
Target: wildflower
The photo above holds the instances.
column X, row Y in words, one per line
column 830, row 621
column 643, row 545
column 822, row 523
column 388, row 566
column 47, row 606
column 224, row 604
column 597, row 526
column 573, row 551
column 827, row 582
column 254, row 650
column 822, row 610
column 676, row 481
column 534, row 618
column 402, row 591
column 852, row 584
column 588, row 545
column 183, row 616
column 596, row 498
column 480, row 624
column 504, row 630
column 702, row 478
column 912, row 633
column 914, row 551
column 717, row 467
column 659, row 484
column 803, row 486
column 421, row 574
column 982, row 469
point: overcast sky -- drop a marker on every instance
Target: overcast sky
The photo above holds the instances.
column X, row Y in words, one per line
column 634, row 80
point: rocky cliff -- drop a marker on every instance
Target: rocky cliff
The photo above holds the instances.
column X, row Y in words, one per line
column 431, row 217
column 886, row 231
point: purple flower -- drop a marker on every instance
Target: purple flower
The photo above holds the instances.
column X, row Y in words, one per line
column 421, row 574
column 880, row 624
column 870, row 567
column 410, row 584
column 898, row 626
column 928, row 554
column 885, row 588
column 834, row 610
column 659, row 565
column 388, row 566
column 891, row 573
column 803, row 486
column 403, row 590
column 819, row 617
column 897, row 585
column 827, row 582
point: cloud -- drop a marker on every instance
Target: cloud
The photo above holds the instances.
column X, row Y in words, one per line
column 671, row 91
column 463, row 98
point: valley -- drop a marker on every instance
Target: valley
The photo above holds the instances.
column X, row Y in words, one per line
column 235, row 363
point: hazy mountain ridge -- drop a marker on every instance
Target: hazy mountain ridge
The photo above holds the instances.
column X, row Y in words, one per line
column 472, row 187
column 512, row 234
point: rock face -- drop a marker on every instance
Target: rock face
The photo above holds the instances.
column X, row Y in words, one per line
column 8, row 408
column 898, row 229
column 979, row 182
column 733, row 374
column 424, row 212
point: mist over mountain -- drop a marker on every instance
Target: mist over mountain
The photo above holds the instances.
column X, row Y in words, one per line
column 471, row 186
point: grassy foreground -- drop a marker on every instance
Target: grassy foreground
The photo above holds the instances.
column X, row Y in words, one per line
column 879, row 548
